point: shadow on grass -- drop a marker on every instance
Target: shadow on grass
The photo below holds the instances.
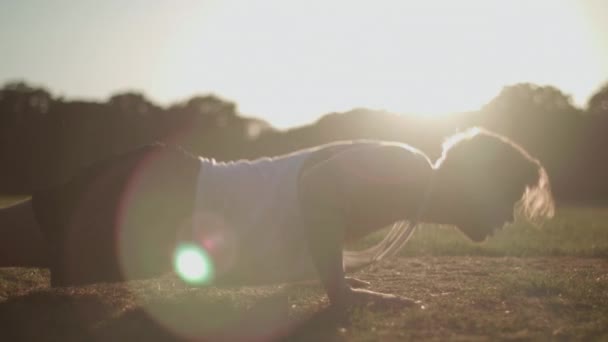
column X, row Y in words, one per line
column 88, row 316
column 227, row 324
column 49, row 316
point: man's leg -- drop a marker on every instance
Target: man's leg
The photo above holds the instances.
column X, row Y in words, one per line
column 21, row 241
column 117, row 220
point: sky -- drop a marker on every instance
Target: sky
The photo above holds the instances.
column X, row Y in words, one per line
column 290, row 62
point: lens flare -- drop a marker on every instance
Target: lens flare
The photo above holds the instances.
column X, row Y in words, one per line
column 193, row 264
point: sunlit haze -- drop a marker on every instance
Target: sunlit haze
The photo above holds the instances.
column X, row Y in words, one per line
column 290, row 62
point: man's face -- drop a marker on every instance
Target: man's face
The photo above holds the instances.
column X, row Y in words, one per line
column 487, row 224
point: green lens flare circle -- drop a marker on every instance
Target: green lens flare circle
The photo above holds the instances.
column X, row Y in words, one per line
column 192, row 264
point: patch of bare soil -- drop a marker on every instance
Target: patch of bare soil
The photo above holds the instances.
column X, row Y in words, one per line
column 464, row 298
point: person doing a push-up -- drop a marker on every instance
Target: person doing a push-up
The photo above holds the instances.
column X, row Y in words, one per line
column 272, row 220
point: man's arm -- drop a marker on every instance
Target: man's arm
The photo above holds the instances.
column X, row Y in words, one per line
column 322, row 210
column 325, row 236
column 325, row 204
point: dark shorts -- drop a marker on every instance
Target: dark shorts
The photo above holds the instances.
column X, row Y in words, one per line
column 118, row 219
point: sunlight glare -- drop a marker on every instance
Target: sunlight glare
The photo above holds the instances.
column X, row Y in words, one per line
column 192, row 264
column 289, row 61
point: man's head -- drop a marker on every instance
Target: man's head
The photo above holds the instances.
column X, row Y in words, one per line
column 482, row 177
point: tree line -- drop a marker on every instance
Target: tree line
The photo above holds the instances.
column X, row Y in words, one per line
column 46, row 139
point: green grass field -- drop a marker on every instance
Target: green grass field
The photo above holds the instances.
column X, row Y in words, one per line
column 572, row 232
column 525, row 283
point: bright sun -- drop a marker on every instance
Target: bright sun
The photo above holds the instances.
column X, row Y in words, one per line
column 290, row 60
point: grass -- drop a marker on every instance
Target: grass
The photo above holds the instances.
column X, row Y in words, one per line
column 525, row 283
column 465, row 298
column 572, row 232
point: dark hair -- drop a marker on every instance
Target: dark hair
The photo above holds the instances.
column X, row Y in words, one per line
column 522, row 172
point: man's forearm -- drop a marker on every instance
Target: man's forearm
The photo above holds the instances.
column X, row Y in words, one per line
column 325, row 235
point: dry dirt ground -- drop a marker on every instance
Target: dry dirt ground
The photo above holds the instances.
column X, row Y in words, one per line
column 464, row 299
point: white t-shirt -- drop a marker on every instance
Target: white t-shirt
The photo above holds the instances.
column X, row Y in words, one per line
column 248, row 218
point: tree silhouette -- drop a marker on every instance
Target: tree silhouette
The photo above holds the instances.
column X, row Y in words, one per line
column 45, row 140
column 598, row 103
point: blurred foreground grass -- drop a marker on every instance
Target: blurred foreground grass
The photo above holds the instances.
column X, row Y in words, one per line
column 465, row 299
